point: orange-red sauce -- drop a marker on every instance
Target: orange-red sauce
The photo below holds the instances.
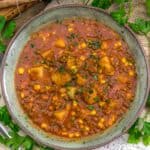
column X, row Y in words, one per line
column 75, row 78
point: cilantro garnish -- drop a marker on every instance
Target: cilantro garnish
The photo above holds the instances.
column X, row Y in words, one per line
column 16, row 140
column 140, row 26
column 120, row 16
column 6, row 32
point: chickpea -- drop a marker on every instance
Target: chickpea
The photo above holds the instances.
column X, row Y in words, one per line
column 80, row 121
column 93, row 112
column 71, row 135
column 44, row 125
column 37, row 87
column 22, row 95
column 21, row 70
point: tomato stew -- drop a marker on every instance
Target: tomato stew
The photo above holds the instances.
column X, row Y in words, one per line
column 75, row 78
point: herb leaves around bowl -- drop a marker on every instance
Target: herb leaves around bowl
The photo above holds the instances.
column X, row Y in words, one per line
column 7, row 29
column 16, row 139
column 140, row 131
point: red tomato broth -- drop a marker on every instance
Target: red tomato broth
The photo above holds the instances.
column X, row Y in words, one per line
column 75, row 78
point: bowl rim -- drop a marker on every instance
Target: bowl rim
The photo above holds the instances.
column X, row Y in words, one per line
column 71, row 6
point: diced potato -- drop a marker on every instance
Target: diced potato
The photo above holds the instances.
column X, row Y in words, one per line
column 129, row 96
column 22, row 95
column 123, row 78
column 70, row 29
column 75, row 103
column 60, row 43
column 131, row 73
column 82, row 45
column 62, row 114
column 71, row 92
column 125, row 61
column 60, row 78
column 101, row 79
column 117, row 44
column 101, row 123
column 71, row 135
column 77, row 134
column 47, row 54
column 37, row 72
column 93, row 112
column 104, row 45
column 37, row 87
column 80, row 80
column 87, row 128
column 71, row 62
column 102, row 104
column 44, row 126
column 80, row 121
column 106, row 65
column 21, row 70
column 111, row 120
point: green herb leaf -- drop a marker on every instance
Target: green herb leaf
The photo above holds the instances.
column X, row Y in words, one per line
column 147, row 4
column 9, row 30
column 140, row 26
column 2, row 47
column 32, row 45
column 94, row 44
column 148, row 101
column 6, row 119
column 96, row 99
column 120, row 16
column 61, row 69
column 27, row 143
column 95, row 77
column 15, row 141
column 2, row 22
column 146, row 128
column 146, row 140
column 90, row 107
column 120, row 1
column 134, row 137
column 102, row 3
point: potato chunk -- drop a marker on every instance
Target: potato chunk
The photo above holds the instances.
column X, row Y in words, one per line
column 71, row 92
column 80, row 80
column 62, row 115
column 106, row 65
column 37, row 73
column 60, row 43
column 47, row 54
column 60, row 78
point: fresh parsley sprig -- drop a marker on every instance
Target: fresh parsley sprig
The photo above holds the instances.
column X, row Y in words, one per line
column 6, row 32
column 16, row 139
column 140, row 26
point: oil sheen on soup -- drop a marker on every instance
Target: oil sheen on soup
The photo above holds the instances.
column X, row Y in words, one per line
column 75, row 78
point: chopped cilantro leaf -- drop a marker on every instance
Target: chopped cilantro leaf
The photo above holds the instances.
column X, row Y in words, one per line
column 120, row 16
column 2, row 22
column 148, row 101
column 9, row 30
column 32, row 45
column 140, row 26
column 94, row 44
column 90, row 107
column 61, row 69
column 102, row 3
column 96, row 99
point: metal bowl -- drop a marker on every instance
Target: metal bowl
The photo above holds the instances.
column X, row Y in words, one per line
column 11, row 58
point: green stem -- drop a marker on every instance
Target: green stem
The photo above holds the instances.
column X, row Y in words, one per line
column 130, row 8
